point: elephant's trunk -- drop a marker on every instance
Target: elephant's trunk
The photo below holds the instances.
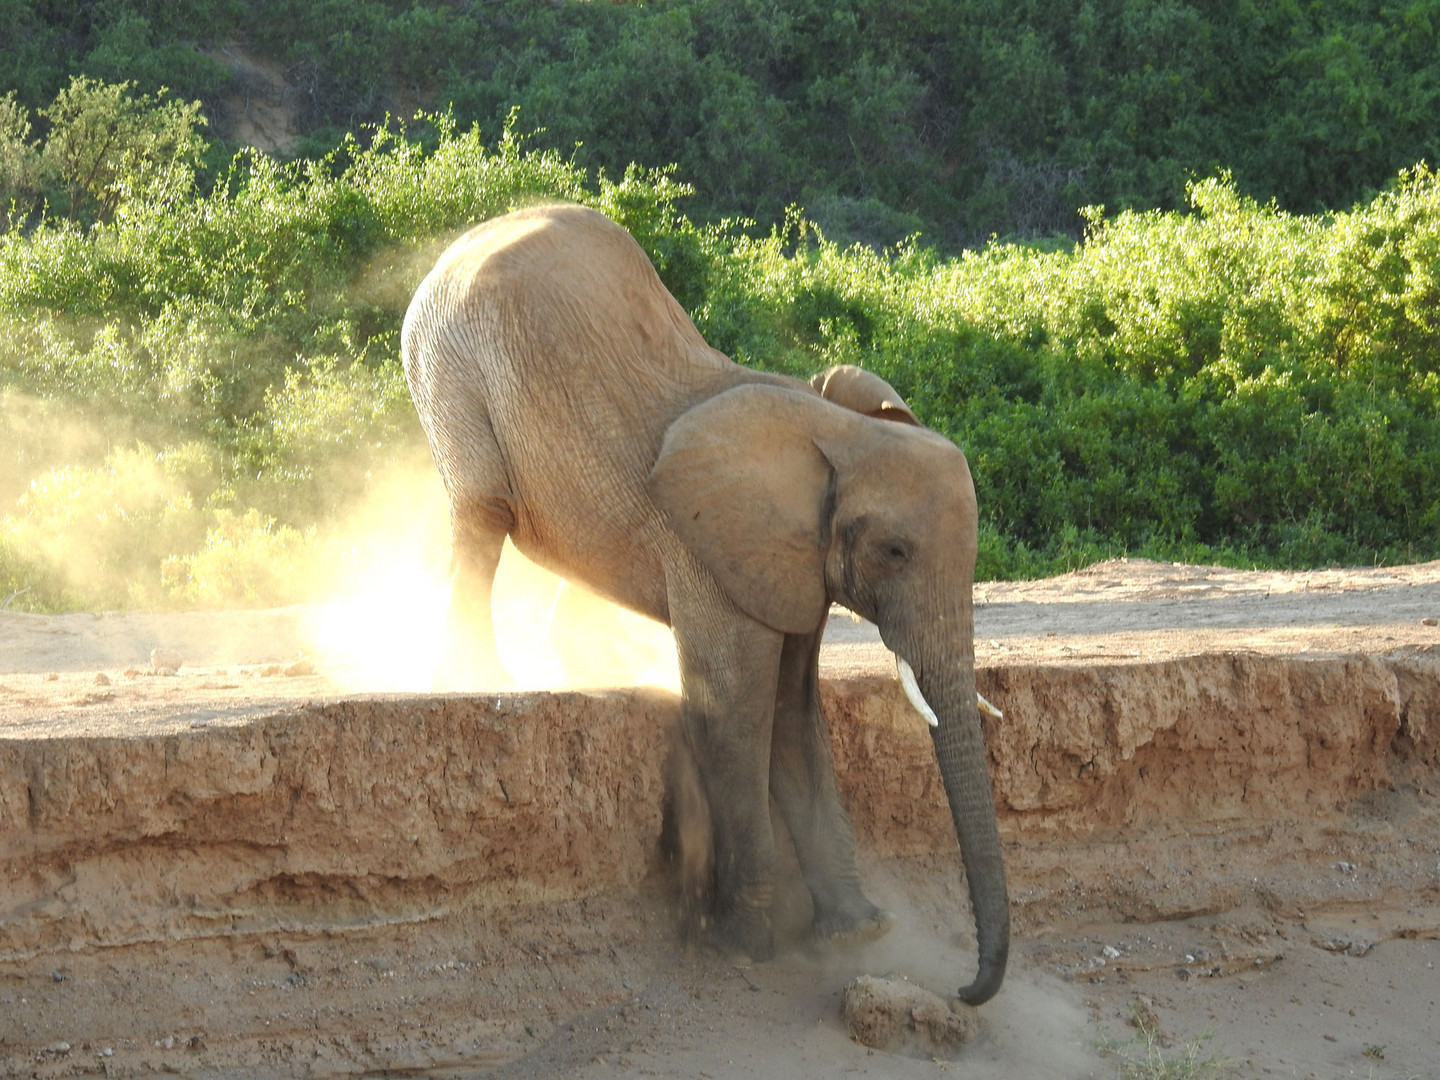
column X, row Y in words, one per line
column 964, row 768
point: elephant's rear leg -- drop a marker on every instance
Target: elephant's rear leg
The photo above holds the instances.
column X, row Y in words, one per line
column 478, row 527
column 802, row 781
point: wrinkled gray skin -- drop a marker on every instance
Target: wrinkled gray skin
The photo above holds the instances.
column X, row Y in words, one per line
column 570, row 403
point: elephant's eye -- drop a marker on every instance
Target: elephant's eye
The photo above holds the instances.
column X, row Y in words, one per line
column 895, row 552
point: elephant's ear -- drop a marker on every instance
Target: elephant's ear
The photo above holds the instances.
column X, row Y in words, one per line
column 863, row 391
column 743, row 484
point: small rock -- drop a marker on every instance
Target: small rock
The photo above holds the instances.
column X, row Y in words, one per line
column 1430, row 622
column 165, row 661
column 1347, row 946
column 1345, row 867
column 896, row 1015
column 57, row 1048
column 1110, row 952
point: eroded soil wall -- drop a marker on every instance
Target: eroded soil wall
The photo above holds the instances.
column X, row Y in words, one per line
column 403, row 808
column 1203, row 738
column 331, row 814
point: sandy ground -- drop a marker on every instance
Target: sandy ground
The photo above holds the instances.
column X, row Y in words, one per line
column 1256, row 948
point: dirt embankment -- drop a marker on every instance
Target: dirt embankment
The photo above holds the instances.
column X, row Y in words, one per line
column 229, row 873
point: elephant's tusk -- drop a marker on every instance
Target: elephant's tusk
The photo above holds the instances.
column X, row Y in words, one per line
column 917, row 699
column 912, row 691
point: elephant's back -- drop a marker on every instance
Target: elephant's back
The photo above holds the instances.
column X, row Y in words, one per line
column 565, row 286
column 553, row 325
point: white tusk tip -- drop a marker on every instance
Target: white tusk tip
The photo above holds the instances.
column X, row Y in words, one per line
column 912, row 692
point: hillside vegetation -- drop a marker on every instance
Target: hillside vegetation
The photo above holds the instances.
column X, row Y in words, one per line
column 955, row 118
column 198, row 382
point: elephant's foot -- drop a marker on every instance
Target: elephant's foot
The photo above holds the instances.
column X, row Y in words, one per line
column 854, row 924
column 738, row 935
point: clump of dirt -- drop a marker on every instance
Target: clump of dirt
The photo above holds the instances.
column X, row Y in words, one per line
column 895, row 1014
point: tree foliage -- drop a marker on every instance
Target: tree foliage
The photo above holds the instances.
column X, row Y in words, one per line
column 105, row 146
column 102, row 147
column 956, row 118
column 192, row 388
column 19, row 164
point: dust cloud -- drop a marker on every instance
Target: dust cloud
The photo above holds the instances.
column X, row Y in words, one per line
column 82, row 497
column 36, row 435
column 1035, row 1027
column 383, row 625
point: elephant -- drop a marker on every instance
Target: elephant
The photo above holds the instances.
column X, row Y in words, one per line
column 570, row 403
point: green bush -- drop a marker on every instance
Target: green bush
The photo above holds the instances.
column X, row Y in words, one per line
column 197, row 385
column 956, row 118
column 1233, row 379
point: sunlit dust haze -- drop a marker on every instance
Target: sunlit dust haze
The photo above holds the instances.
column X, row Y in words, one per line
column 384, row 626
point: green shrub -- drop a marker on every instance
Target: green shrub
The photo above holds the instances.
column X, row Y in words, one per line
column 197, row 387
column 1230, row 380
column 245, row 559
column 956, row 118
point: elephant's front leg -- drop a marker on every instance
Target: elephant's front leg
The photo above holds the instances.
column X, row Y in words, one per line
column 802, row 779
column 728, row 670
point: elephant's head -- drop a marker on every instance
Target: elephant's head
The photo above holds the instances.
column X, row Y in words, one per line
column 792, row 502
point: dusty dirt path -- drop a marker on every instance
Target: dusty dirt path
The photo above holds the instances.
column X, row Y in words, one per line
column 1291, row 946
